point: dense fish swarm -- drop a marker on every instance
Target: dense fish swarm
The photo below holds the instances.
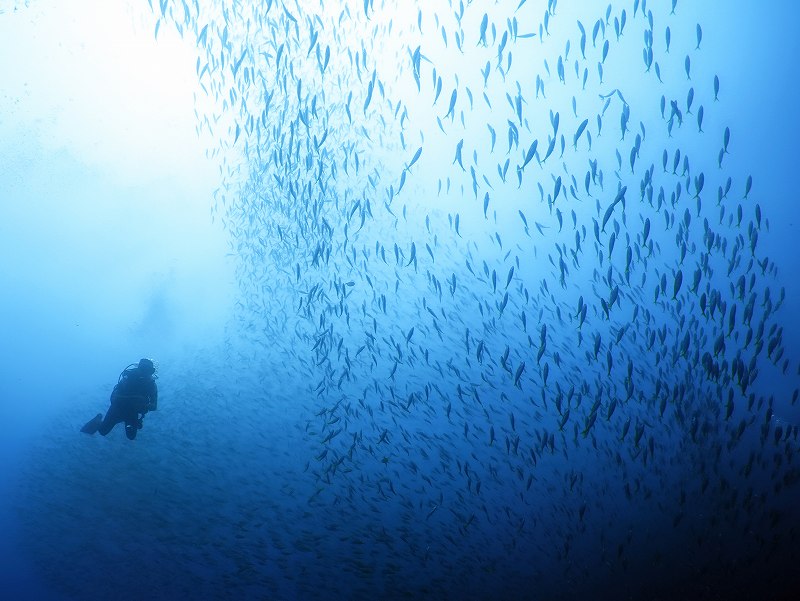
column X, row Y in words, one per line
column 503, row 312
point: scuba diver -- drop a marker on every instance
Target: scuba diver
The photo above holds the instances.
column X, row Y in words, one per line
column 133, row 396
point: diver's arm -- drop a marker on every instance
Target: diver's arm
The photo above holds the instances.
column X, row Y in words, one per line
column 153, row 398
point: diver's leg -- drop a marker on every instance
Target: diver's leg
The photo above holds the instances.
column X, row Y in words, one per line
column 111, row 419
column 129, row 411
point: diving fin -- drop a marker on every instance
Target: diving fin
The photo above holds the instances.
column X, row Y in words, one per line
column 93, row 424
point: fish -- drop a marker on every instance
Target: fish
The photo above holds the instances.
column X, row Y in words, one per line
column 528, row 155
column 457, row 158
column 414, row 159
column 676, row 287
column 452, row 105
column 298, row 199
column 482, row 34
column 413, row 255
column 578, row 133
column 517, row 376
column 368, row 99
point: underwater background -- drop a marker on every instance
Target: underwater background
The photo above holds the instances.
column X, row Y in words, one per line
column 484, row 300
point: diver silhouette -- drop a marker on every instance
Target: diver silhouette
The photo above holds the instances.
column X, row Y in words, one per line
column 133, row 396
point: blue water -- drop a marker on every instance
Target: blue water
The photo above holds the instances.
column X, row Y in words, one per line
column 476, row 308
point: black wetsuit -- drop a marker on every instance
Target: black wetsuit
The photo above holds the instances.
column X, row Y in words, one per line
column 133, row 395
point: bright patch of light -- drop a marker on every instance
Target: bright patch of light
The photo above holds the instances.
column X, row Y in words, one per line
column 90, row 78
column 106, row 193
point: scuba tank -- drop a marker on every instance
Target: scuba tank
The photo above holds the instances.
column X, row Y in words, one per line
column 122, row 389
column 125, row 372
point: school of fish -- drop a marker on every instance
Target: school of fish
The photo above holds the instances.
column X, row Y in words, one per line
column 500, row 255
